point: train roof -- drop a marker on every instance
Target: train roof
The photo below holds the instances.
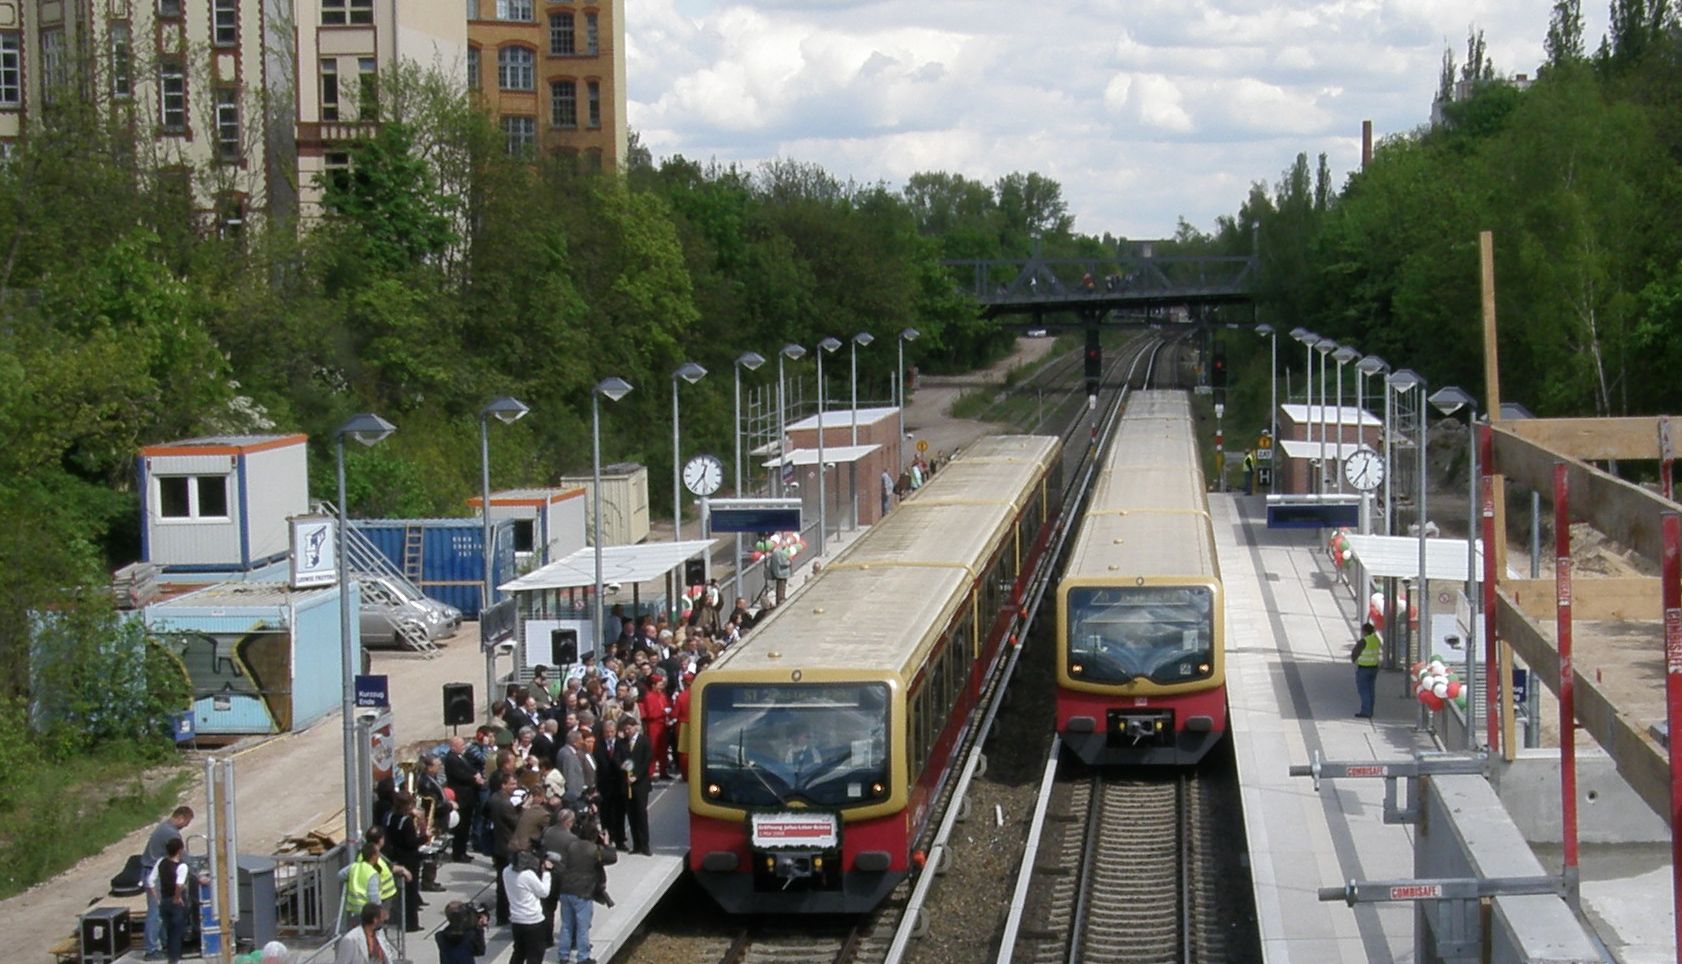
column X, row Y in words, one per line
column 1159, row 487
column 1143, row 543
column 933, row 534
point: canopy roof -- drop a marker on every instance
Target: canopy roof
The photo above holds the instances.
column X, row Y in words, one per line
column 836, row 454
column 622, row 564
column 1296, row 448
column 1330, row 415
column 1398, row 557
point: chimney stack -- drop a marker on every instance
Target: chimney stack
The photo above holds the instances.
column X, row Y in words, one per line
column 1366, row 144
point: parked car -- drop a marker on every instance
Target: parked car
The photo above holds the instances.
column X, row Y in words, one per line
column 386, row 605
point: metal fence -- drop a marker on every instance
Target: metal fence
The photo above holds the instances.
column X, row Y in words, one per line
column 307, row 893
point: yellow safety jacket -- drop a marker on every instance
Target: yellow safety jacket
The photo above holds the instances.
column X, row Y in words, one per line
column 356, row 885
column 1372, row 650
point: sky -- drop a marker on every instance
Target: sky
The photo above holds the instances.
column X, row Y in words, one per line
column 1145, row 111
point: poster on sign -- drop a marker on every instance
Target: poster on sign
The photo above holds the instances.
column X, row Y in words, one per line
column 796, row 830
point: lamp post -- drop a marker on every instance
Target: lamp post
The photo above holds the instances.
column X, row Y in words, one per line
column 691, row 373
column 828, row 345
column 1272, row 393
column 751, row 361
column 614, row 388
column 1307, row 339
column 368, row 429
column 1324, row 346
column 905, row 335
column 1366, row 367
column 1343, row 356
column 1406, row 380
column 792, row 352
column 1449, row 400
column 507, row 410
column 862, row 338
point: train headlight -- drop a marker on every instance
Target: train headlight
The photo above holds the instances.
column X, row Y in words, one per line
column 1075, row 669
column 878, row 789
column 1203, row 667
column 817, row 863
column 714, row 789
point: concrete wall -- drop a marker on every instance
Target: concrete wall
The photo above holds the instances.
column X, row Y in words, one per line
column 1608, row 810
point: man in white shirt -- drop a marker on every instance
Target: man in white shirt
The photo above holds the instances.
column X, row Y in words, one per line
column 526, row 878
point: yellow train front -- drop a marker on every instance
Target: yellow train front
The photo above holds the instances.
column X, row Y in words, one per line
column 822, row 739
column 1140, row 666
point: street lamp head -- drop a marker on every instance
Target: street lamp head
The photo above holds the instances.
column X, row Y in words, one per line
column 366, row 428
column 1373, row 365
column 1513, row 411
column 1264, row 329
column 794, row 352
column 1304, row 335
column 613, row 387
column 863, row 338
column 507, row 410
column 751, row 360
column 1450, row 399
column 910, row 334
column 690, row 372
column 1345, row 355
column 829, row 344
column 1405, row 380
column 1325, row 346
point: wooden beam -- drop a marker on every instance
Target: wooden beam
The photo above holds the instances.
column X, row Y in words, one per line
column 1622, row 511
column 1641, row 761
column 1592, row 597
column 1598, row 439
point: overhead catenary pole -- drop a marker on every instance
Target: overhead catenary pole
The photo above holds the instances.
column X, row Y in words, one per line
column 1671, row 522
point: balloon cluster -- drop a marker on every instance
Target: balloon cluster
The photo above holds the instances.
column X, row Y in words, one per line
column 1435, row 685
column 788, row 543
column 1375, row 611
column 1338, row 546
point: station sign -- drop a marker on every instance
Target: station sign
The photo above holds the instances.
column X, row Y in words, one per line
column 753, row 515
column 373, row 691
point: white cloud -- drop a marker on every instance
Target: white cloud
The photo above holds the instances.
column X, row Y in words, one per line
column 1144, row 110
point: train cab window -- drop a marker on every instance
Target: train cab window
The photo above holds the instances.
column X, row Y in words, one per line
column 825, row 745
column 1120, row 633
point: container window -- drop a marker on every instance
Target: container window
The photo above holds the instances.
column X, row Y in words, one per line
column 213, row 496
column 525, row 534
column 173, row 501
column 193, row 496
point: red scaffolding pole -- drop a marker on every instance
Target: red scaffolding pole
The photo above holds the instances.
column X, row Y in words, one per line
column 1672, row 588
column 1495, row 688
column 1567, row 679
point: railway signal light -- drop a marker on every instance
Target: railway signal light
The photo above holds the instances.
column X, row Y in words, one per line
column 1217, row 373
column 1094, row 360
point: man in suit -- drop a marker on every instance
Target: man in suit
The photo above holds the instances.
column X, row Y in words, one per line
column 543, row 745
column 633, row 759
column 502, row 816
column 572, row 769
column 464, row 780
column 610, row 781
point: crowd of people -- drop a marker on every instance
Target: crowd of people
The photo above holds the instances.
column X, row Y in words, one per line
column 551, row 792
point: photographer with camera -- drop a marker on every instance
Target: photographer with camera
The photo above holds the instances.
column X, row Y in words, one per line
column 580, row 880
column 463, row 936
column 526, row 879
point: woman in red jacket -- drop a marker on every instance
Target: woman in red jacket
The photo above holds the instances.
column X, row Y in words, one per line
column 680, row 723
column 656, row 712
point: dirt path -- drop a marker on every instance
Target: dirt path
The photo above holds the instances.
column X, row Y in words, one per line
column 926, row 417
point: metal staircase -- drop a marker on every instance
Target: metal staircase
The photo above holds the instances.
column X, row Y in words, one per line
column 362, row 558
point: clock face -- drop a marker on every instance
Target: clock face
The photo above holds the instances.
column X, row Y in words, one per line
column 1364, row 469
column 703, row 474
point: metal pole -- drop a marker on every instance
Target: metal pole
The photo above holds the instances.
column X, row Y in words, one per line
column 485, row 515
column 1273, row 408
column 782, row 431
column 855, row 377
column 1472, row 586
column 899, row 386
column 1533, row 694
column 822, row 500
column 1671, row 524
column 1422, row 638
column 1567, row 680
column 677, row 489
column 596, row 628
column 737, row 433
column 1486, row 508
column 1339, row 427
column 1325, row 428
column 347, row 669
column 1308, row 420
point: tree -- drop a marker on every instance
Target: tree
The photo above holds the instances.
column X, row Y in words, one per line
column 1564, row 44
column 388, row 201
column 1031, row 205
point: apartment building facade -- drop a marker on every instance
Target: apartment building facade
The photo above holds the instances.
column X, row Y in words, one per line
column 187, row 77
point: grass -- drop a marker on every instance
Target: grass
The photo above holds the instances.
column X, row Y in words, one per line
column 55, row 815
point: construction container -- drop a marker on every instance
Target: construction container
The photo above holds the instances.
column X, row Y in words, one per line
column 549, row 524
column 220, row 503
column 445, row 558
column 260, row 657
column 624, row 502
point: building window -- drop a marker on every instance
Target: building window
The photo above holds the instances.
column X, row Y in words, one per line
column 562, row 42
column 172, row 94
column 122, row 60
column 563, row 104
column 227, row 126
column 514, row 10
column 368, row 89
column 11, row 69
column 593, row 160
column 339, row 13
column 193, row 496
column 336, row 169
column 330, row 88
column 53, row 64
column 521, row 133
column 473, row 68
column 592, row 35
column 472, row 9
column 514, row 68
column 595, row 94
column 525, row 535
column 225, row 22
column 169, row 9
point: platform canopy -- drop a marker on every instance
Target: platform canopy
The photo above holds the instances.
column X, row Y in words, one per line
column 1330, row 416
column 1296, row 448
column 621, row 564
column 1397, row 557
column 836, row 454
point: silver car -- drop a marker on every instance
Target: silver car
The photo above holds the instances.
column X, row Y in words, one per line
column 385, row 606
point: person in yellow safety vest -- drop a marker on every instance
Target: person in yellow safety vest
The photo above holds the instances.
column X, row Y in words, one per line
column 1367, row 654
column 370, row 878
column 1249, row 471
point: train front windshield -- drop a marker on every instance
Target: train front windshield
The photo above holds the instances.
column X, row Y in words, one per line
column 823, row 744
column 1118, row 634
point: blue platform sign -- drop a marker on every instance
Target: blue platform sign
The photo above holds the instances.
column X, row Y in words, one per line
column 1521, row 687
column 754, row 515
column 373, row 691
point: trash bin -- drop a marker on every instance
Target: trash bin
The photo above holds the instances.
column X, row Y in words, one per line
column 256, row 925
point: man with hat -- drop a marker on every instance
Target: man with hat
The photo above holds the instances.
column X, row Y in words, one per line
column 633, row 758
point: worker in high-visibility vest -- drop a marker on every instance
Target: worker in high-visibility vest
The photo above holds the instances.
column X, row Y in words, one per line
column 1249, row 471
column 370, row 878
column 1367, row 654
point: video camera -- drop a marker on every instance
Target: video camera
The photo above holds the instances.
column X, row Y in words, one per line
column 462, row 916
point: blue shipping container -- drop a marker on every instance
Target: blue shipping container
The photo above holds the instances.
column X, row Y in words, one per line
column 445, row 557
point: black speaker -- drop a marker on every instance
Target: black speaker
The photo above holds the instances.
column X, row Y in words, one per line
column 694, row 572
column 458, row 704
column 563, row 647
